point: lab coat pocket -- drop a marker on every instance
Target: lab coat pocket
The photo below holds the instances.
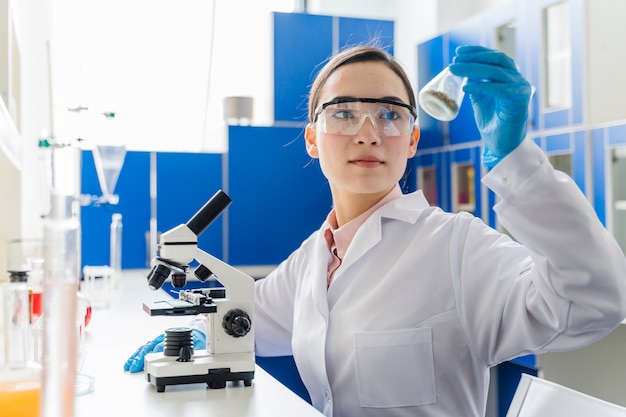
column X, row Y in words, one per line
column 395, row 368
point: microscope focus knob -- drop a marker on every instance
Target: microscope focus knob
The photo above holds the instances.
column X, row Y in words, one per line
column 237, row 323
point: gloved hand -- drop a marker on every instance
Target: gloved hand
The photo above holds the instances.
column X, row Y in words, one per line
column 136, row 361
column 500, row 97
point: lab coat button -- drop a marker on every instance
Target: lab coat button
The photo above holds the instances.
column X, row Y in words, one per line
column 506, row 180
column 327, row 396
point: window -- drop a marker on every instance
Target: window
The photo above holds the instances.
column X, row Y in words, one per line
column 505, row 36
column 618, row 167
column 463, row 190
column 557, row 58
column 427, row 182
column 562, row 162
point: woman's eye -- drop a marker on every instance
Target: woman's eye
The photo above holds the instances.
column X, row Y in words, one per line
column 343, row 114
column 389, row 115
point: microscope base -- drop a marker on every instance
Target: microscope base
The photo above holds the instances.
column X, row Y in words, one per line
column 214, row 381
column 214, row 370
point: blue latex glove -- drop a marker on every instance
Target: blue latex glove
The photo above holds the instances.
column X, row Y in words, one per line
column 500, row 97
column 136, row 360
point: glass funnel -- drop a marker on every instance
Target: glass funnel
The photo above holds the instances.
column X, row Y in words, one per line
column 109, row 160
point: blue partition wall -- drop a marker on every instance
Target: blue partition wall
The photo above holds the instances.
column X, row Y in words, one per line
column 185, row 182
column 279, row 194
column 133, row 189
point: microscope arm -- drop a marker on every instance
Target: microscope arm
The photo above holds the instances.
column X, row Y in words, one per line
column 237, row 284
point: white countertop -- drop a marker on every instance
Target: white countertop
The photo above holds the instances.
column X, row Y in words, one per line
column 117, row 331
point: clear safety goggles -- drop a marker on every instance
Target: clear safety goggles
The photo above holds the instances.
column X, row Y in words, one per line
column 345, row 116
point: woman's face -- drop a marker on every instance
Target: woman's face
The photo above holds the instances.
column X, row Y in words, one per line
column 366, row 162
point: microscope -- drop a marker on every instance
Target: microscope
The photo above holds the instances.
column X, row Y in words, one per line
column 228, row 310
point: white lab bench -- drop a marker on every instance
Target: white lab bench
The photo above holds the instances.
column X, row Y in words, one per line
column 114, row 333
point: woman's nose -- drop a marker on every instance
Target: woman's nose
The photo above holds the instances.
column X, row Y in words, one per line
column 367, row 132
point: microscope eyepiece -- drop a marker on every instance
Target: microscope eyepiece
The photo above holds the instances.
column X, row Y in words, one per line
column 209, row 212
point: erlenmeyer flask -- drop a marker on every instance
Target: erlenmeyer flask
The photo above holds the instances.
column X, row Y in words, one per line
column 441, row 98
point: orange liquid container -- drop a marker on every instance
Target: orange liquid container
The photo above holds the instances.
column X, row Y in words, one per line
column 20, row 398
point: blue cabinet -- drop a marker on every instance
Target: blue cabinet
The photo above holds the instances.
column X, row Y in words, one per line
column 133, row 189
column 185, row 181
column 303, row 42
column 279, row 194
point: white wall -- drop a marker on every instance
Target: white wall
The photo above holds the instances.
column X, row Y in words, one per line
column 148, row 61
column 151, row 62
column 451, row 12
column 34, row 28
column 605, row 63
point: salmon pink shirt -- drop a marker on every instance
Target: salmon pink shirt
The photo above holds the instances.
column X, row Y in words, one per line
column 338, row 239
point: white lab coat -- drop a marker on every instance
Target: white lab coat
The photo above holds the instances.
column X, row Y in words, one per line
column 426, row 301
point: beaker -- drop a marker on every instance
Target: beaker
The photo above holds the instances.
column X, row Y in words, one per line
column 20, row 378
column 442, row 96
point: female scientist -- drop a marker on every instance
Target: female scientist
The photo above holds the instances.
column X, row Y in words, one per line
column 396, row 308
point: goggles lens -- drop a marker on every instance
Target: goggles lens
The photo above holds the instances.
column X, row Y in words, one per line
column 346, row 116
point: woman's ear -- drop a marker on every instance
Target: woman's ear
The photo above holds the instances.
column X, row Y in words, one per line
column 415, row 138
column 311, row 141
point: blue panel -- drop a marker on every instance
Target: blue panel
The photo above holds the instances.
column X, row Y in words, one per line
column 133, row 189
column 443, row 183
column 408, row 182
column 426, row 160
column 554, row 119
column 476, row 151
column 599, row 157
column 430, row 61
column 463, row 128
column 430, row 138
column 353, row 31
column 508, row 376
column 283, row 368
column 461, row 156
column 617, row 135
column 558, row 143
column 529, row 361
column 301, row 43
column 185, row 181
column 578, row 160
column 491, row 214
column 279, row 194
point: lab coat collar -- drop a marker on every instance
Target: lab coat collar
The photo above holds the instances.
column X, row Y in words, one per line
column 407, row 208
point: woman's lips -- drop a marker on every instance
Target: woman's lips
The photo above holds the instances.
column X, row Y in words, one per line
column 366, row 161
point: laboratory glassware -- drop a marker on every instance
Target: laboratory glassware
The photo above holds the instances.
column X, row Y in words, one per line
column 108, row 160
column 20, row 378
column 61, row 279
column 115, row 249
column 442, row 96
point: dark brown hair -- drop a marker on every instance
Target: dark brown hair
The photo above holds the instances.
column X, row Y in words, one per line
column 360, row 53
